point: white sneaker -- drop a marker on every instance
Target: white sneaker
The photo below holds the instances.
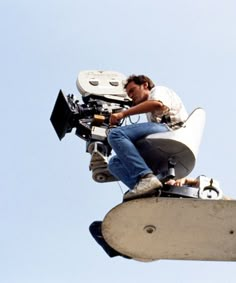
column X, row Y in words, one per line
column 144, row 187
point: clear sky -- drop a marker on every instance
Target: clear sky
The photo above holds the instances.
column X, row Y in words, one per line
column 47, row 196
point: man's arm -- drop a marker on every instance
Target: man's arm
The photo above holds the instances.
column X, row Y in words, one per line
column 143, row 107
column 183, row 181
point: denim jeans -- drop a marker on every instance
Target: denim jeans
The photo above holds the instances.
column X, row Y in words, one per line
column 128, row 165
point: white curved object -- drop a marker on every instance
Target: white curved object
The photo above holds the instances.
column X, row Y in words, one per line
column 165, row 228
column 181, row 145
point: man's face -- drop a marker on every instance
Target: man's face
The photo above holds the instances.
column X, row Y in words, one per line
column 138, row 93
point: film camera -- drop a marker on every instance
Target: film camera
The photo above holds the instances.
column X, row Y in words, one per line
column 102, row 94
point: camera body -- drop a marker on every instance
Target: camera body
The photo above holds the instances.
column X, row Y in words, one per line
column 102, row 94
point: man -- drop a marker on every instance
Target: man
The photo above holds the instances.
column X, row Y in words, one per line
column 164, row 111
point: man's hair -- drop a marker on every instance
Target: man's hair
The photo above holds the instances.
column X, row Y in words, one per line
column 139, row 80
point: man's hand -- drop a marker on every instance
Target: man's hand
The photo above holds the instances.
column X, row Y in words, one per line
column 184, row 181
column 116, row 117
column 178, row 182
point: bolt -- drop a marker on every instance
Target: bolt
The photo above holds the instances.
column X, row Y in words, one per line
column 150, row 229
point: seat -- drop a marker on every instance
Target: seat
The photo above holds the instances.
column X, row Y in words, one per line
column 177, row 147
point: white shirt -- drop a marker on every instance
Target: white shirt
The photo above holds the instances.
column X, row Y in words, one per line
column 176, row 111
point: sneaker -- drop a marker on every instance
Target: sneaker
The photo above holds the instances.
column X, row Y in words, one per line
column 145, row 186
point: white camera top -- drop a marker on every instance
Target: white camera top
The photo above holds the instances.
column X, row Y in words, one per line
column 101, row 83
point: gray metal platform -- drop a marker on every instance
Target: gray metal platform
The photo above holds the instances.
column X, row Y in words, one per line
column 171, row 228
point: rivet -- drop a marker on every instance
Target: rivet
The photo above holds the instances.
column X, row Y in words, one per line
column 150, row 229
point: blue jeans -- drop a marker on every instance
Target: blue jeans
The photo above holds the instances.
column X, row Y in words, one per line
column 128, row 165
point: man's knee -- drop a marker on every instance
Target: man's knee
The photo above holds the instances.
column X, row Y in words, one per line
column 113, row 134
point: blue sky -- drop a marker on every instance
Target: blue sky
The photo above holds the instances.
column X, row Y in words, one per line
column 47, row 195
